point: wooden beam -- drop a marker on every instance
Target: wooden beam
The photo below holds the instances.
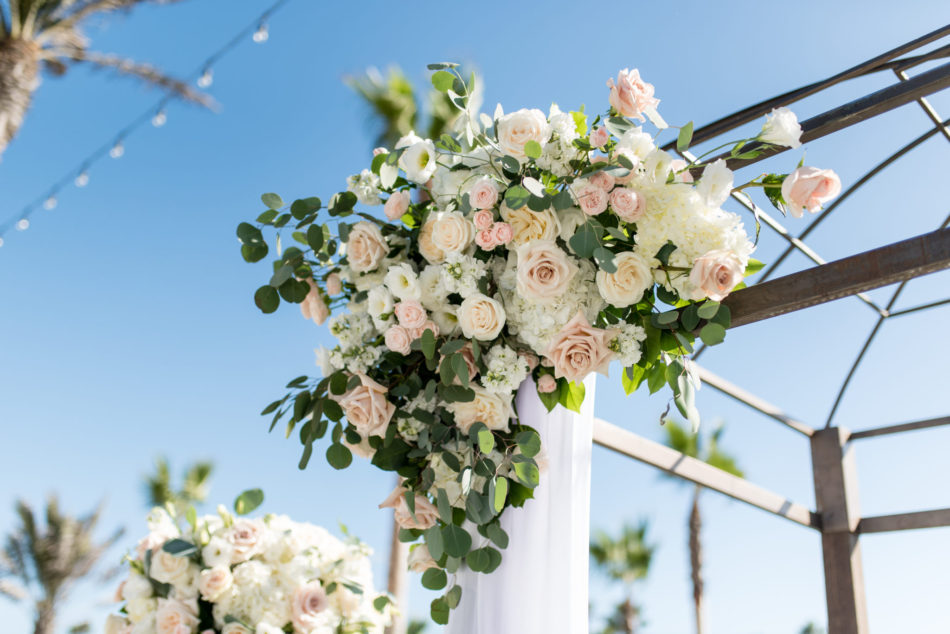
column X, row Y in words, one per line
column 904, row 521
column 896, row 429
column 872, row 269
column 835, row 477
column 657, row 455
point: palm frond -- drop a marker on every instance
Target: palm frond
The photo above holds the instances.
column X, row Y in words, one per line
column 70, row 13
column 625, row 558
column 12, row 591
column 146, row 72
column 392, row 101
column 195, row 486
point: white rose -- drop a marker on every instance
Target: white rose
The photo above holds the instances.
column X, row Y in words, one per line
column 452, row 232
column 219, row 551
column 492, row 409
column 213, row 582
column 517, row 128
column 418, row 159
column 169, row 568
column 115, row 624
column 527, row 225
column 402, row 282
column 716, row 184
column 365, row 247
column 781, row 128
column 627, row 284
column 481, row 317
column 173, row 617
column 140, row 609
column 136, row 587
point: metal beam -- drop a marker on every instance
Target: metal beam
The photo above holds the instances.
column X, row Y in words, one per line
column 872, row 269
column 729, row 389
column 657, row 455
column 896, row 429
column 835, row 477
column 905, row 521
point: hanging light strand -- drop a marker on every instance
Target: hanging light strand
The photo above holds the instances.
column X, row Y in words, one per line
column 156, row 115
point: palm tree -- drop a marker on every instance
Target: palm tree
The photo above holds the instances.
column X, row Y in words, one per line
column 625, row 559
column 194, row 488
column 680, row 439
column 47, row 561
column 46, row 35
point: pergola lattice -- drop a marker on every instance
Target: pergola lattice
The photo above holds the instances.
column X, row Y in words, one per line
column 837, row 517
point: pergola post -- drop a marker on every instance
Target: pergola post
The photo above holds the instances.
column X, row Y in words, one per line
column 836, row 494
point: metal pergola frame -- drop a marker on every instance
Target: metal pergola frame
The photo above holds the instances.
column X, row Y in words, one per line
column 837, row 516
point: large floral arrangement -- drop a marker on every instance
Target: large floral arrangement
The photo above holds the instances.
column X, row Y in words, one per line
column 221, row 574
column 523, row 246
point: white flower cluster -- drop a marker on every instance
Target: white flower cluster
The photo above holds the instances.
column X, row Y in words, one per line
column 626, row 343
column 248, row 576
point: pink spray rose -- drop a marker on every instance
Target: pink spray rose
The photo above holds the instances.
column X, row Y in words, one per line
column 592, row 199
column 483, row 219
column 599, row 137
column 410, row 313
column 546, row 384
column 334, row 284
column 502, row 232
column 313, row 307
column 397, row 339
column 396, row 205
column 809, row 188
column 484, row 194
column 628, row 204
column 603, row 180
column 485, row 239
column 715, row 274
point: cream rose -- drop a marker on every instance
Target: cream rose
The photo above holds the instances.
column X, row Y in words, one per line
column 544, row 271
column 715, row 274
column 313, row 307
column 481, row 317
column 483, row 194
column 214, row 582
column 427, row 247
column 169, row 568
column 425, row 515
column 527, row 225
column 140, row 609
column 452, row 232
column 366, row 407
column 115, row 624
column 420, row 559
column 365, row 247
column 809, row 188
column 244, row 537
column 628, row 204
column 630, row 95
column 334, row 284
column 398, row 340
column 625, row 286
column 517, row 128
column 579, row 349
column 173, row 617
column 410, row 313
column 494, row 410
column 308, row 602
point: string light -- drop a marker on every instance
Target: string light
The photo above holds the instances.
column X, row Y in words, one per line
column 206, row 79
column 156, row 114
column 261, row 34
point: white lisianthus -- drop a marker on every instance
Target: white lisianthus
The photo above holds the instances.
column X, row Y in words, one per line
column 379, row 306
column 636, row 142
column 418, row 159
column 366, row 187
column 446, row 318
column 781, row 127
column 402, row 282
column 432, row 291
column 657, row 166
column 716, row 184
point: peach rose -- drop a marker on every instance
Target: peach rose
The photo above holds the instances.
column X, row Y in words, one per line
column 485, row 240
column 626, row 285
column 579, row 349
column 366, row 407
column 544, row 271
column 425, row 516
column 599, row 137
column 308, row 602
column 481, row 317
column 469, row 358
column 592, row 199
column 630, row 95
column 420, row 559
column 517, row 128
column 483, row 194
column 715, row 274
column 362, row 449
column 397, row 205
column 546, row 384
column 452, row 232
column 494, row 410
column 365, row 247
column 173, row 617
column 398, row 340
column 527, row 225
column 483, row 219
column 428, row 248
column 603, row 180
column 809, row 188
column 244, row 537
column 410, row 313
column 334, row 284
column 415, row 333
column 501, row 232
column 628, row 204
column 213, row 582
column 313, row 307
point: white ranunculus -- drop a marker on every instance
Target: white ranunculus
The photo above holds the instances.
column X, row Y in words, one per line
column 418, row 159
column 402, row 282
column 716, row 184
column 781, row 128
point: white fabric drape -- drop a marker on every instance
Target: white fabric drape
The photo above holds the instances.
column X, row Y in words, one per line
column 541, row 585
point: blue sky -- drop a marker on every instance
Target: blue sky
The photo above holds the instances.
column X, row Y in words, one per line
column 129, row 329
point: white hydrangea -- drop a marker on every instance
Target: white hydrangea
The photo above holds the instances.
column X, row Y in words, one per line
column 461, row 274
column 366, row 187
column 557, row 153
column 432, row 291
column 626, row 343
column 505, row 370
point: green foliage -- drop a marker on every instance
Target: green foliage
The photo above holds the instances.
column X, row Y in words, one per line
column 248, row 501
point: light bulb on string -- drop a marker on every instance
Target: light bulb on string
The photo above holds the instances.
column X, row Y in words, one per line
column 260, row 35
column 117, row 150
column 159, row 119
column 22, row 224
column 206, row 79
column 83, row 179
column 50, row 203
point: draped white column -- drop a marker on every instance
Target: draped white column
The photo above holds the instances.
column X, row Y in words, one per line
column 541, row 585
